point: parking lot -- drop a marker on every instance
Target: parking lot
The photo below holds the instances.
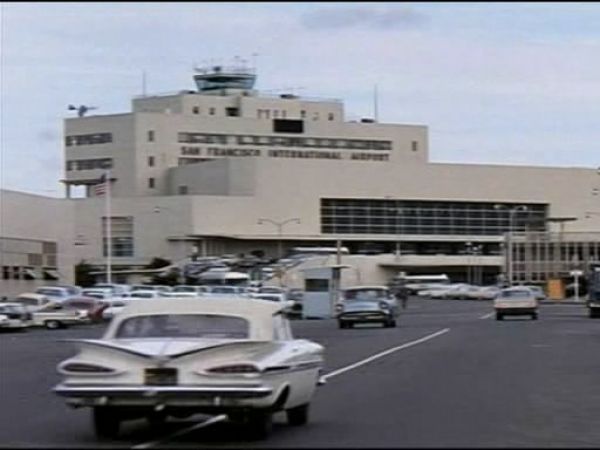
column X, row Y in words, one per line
column 448, row 375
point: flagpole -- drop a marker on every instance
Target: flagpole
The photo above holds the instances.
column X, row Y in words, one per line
column 108, row 229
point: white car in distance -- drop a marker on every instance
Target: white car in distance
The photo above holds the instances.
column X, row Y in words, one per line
column 515, row 301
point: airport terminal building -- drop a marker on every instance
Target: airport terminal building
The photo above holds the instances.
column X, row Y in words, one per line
column 224, row 169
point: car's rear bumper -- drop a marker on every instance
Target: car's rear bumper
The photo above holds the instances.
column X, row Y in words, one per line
column 516, row 311
column 143, row 395
column 371, row 316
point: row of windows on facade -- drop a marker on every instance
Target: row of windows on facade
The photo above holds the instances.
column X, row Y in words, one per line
column 262, row 113
column 88, row 139
column 89, row 164
column 280, row 141
column 359, row 205
column 568, row 252
column 533, row 224
column 224, row 139
column 421, row 230
column 429, row 210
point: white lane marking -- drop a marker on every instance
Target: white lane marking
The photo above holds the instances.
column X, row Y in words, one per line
column 197, row 426
column 487, row 316
column 222, row 417
column 383, row 353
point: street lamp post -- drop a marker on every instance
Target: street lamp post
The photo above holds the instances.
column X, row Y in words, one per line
column 279, row 225
column 397, row 212
column 508, row 237
column 472, row 272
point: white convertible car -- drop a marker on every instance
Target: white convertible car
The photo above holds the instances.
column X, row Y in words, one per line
column 178, row 357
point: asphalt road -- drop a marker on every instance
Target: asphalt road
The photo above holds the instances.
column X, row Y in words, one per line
column 448, row 376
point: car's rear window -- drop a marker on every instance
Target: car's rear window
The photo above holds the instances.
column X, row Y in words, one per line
column 184, row 326
column 365, row 294
column 515, row 294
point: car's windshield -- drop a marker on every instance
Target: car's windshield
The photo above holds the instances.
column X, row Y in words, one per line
column 9, row 309
column 139, row 294
column 270, row 297
column 365, row 294
column 51, row 292
column 223, row 290
column 184, row 289
column 27, row 301
column 143, row 288
column 270, row 290
column 184, row 326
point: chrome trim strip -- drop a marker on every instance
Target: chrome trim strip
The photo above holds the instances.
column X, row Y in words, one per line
column 150, row 391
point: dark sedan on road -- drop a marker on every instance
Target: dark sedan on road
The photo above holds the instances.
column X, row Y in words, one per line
column 366, row 304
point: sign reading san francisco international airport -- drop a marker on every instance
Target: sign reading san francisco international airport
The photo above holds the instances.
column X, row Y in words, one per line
column 271, row 153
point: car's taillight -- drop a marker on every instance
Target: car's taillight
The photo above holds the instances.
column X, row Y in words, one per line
column 234, row 369
column 79, row 367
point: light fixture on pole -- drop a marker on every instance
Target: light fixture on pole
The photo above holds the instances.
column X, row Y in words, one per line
column 279, row 225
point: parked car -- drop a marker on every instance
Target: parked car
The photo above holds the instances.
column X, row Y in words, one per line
column 178, row 357
column 48, row 312
column 516, row 301
column 461, row 291
column 272, row 290
column 99, row 293
column 59, row 293
column 180, row 295
column 486, row 293
column 150, row 287
column 139, row 293
column 89, row 307
column 189, row 289
column 14, row 316
column 116, row 289
column 437, row 292
column 537, row 291
column 226, row 291
column 366, row 304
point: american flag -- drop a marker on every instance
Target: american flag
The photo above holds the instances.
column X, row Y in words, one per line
column 100, row 188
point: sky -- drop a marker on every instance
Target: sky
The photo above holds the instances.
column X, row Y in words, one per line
column 495, row 83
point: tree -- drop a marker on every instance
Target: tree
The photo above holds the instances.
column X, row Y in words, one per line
column 157, row 263
column 169, row 277
column 83, row 276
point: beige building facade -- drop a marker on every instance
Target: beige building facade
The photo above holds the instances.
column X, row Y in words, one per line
column 194, row 172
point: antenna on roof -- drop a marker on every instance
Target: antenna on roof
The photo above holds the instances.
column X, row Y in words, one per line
column 375, row 106
column 144, row 83
column 81, row 109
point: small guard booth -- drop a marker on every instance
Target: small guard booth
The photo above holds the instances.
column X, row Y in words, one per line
column 321, row 285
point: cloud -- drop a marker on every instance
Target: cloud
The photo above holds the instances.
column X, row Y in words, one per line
column 388, row 18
